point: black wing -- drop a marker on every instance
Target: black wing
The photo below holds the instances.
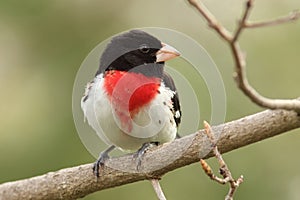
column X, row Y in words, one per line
column 167, row 79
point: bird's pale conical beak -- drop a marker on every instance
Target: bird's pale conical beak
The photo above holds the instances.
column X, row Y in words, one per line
column 166, row 53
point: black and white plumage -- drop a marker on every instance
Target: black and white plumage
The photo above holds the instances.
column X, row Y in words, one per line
column 132, row 100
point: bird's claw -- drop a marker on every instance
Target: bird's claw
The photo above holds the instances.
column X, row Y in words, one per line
column 101, row 160
column 138, row 158
column 140, row 153
column 100, row 163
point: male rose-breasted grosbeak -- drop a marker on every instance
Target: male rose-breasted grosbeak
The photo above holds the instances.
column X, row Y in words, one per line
column 132, row 101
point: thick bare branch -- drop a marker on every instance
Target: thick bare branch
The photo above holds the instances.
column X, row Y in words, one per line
column 75, row 182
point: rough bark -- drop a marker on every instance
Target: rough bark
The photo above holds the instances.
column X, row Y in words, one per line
column 79, row 181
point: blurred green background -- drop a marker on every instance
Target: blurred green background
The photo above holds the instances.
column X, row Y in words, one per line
column 43, row 43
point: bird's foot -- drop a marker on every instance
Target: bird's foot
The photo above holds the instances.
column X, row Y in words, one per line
column 178, row 136
column 103, row 156
column 140, row 153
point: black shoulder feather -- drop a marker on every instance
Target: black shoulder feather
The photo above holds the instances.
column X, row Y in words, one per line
column 168, row 81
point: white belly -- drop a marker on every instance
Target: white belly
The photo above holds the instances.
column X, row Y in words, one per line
column 150, row 124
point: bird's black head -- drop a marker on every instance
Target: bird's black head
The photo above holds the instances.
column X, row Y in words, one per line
column 134, row 51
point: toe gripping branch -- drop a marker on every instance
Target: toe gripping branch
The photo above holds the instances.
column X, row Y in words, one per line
column 140, row 153
column 103, row 156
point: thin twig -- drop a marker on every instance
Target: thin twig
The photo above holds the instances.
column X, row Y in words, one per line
column 241, row 77
column 224, row 170
column 157, row 189
column 293, row 16
column 209, row 172
column 211, row 20
column 242, row 23
column 239, row 57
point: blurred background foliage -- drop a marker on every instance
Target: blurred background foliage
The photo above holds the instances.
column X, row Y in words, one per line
column 42, row 44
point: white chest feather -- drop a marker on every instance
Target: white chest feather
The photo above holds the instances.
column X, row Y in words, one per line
column 153, row 123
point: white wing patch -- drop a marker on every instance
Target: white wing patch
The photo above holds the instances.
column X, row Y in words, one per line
column 177, row 114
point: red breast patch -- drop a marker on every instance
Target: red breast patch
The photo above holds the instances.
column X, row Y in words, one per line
column 129, row 91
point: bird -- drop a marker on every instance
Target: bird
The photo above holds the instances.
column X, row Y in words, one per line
column 132, row 102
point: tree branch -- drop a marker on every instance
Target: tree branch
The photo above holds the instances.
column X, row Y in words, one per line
column 223, row 170
column 245, row 16
column 75, row 182
column 156, row 186
column 239, row 58
column 211, row 20
column 293, row 16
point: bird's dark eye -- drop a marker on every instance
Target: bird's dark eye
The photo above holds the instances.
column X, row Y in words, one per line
column 144, row 48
